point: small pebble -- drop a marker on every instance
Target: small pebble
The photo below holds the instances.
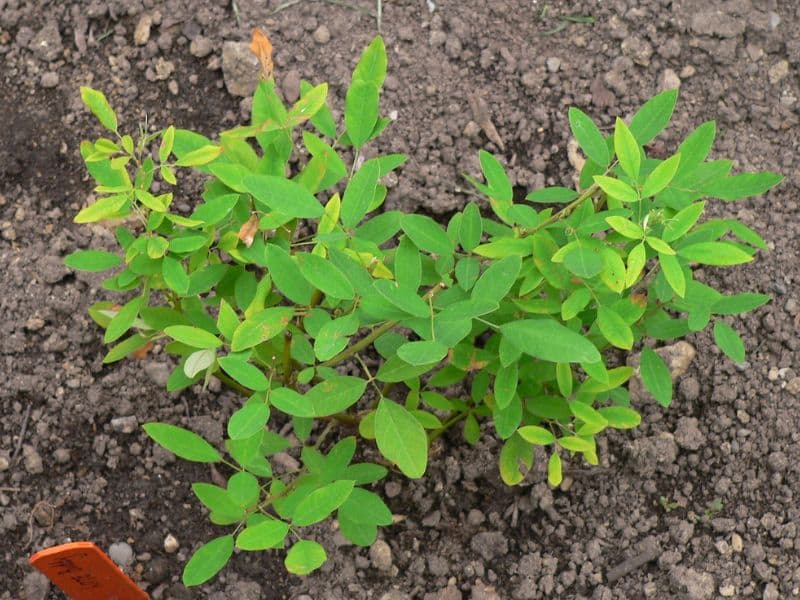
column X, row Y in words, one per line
column 553, row 64
column 125, row 424
column 200, row 47
column 322, row 35
column 121, row 553
column 61, row 455
column 141, row 35
column 32, row 460
column 381, row 555
column 49, row 79
column 171, row 544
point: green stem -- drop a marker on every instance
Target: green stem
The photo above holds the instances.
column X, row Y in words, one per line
column 566, row 211
column 451, row 420
column 359, row 345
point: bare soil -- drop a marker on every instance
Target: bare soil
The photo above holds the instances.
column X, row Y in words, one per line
column 707, row 491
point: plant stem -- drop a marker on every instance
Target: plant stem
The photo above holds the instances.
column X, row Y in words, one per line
column 234, row 385
column 359, row 345
column 449, row 422
column 566, row 211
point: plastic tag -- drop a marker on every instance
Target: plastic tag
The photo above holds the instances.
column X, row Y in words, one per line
column 84, row 572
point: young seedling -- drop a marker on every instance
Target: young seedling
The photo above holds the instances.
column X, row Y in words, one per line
column 279, row 277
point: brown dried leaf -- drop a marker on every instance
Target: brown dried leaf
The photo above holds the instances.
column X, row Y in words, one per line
column 141, row 353
column 248, row 231
column 480, row 113
column 262, row 48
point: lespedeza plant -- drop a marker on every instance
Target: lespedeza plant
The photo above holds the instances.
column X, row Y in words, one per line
column 279, row 278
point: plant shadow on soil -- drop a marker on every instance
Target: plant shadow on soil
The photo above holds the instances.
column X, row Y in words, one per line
column 729, row 436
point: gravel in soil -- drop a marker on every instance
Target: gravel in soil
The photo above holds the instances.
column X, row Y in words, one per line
column 707, row 491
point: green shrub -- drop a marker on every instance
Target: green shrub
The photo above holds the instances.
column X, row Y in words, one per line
column 275, row 280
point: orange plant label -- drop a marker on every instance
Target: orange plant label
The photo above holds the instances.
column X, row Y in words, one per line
column 262, row 48
column 84, row 572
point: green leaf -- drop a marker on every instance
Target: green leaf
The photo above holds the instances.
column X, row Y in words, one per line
column 549, row 340
column 515, row 453
column 554, row 474
column 304, row 557
column 426, row 234
column 682, row 222
column 403, row 298
column 696, row 147
column 213, row 211
column 248, row 420
column 291, row 403
column 620, row 417
column 505, row 246
column 583, row 262
column 243, row 489
column 471, row 228
column 736, row 187
column 589, row 137
column 284, row 196
column 363, row 506
column 627, row 150
column 656, row 377
column 224, row 510
column 122, row 321
column 497, row 281
column 659, row 245
column 325, row 276
column 505, row 385
column 309, row 104
column 286, row 274
column 407, row 264
column 104, row 208
column 614, row 328
column 92, row 260
column 661, row 176
column 200, row 156
column 208, row 560
column 616, row 189
column 269, row 533
column 637, row 258
column 625, row 227
column 575, row 303
column 422, row 353
column 359, row 194
column 574, row 443
column 727, row 339
column 653, row 116
column 587, row 414
column 739, row 303
column 193, row 336
column 714, row 253
column 335, row 395
column 167, row 141
column 396, row 370
column 333, row 336
column 361, row 108
column 174, row 275
column 245, row 373
column 320, row 503
column 673, row 272
column 98, row 104
column 554, row 195
column 198, row 362
column 536, row 435
column 182, row 442
column 401, row 438
column 262, row 326
column 500, row 188
column 372, row 64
